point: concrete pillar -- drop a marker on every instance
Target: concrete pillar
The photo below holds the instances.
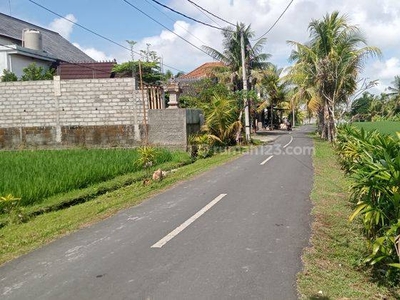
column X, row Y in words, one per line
column 57, row 95
column 174, row 91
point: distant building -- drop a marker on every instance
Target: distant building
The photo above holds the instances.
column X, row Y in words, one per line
column 206, row 70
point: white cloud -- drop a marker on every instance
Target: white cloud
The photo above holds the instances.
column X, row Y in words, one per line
column 94, row 53
column 62, row 26
column 65, row 28
column 379, row 20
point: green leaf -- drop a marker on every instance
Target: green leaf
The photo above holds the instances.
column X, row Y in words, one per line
column 357, row 211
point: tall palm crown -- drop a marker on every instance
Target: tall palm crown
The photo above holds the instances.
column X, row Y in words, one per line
column 231, row 54
column 331, row 62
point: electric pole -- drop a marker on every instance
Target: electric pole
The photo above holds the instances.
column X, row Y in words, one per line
column 246, row 100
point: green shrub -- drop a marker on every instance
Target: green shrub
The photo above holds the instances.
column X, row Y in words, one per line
column 373, row 161
column 8, row 76
column 10, row 206
column 34, row 72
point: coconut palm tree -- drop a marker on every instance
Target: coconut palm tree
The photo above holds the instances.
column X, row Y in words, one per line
column 274, row 88
column 395, row 93
column 231, row 55
column 330, row 63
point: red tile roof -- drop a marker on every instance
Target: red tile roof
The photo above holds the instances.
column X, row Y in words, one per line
column 205, row 70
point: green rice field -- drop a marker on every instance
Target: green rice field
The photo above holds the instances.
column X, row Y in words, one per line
column 36, row 175
column 385, row 127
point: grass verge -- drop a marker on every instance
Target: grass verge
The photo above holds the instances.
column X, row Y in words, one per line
column 332, row 264
column 19, row 239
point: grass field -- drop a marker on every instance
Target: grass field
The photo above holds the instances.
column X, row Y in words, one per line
column 36, row 175
column 385, row 127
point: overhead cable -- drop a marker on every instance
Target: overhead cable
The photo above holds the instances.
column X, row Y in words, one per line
column 93, row 32
column 147, row 15
column 273, row 25
column 190, row 18
column 155, row 7
column 205, row 10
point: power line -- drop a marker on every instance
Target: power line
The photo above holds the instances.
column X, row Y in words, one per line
column 81, row 26
column 138, row 9
column 190, row 18
column 273, row 25
column 208, row 17
column 93, row 32
column 205, row 10
column 155, row 7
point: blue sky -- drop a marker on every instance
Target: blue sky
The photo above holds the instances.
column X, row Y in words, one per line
column 379, row 20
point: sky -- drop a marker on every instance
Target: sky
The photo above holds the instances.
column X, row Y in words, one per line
column 378, row 20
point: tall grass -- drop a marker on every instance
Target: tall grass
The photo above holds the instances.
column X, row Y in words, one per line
column 35, row 175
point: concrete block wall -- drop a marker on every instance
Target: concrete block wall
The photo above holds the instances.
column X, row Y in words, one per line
column 172, row 127
column 93, row 112
column 27, row 104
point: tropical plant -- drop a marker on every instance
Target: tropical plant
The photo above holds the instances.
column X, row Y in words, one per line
column 221, row 119
column 147, row 157
column 33, row 72
column 275, row 89
column 200, row 93
column 395, row 95
column 10, row 206
column 373, row 162
column 330, row 64
column 150, row 71
column 8, row 76
column 231, row 55
column 202, row 145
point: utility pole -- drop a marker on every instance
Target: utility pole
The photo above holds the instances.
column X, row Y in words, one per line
column 246, row 100
column 146, row 129
column 131, row 44
column 293, row 115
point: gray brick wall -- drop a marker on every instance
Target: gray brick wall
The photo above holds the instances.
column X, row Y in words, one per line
column 63, row 104
column 85, row 102
column 89, row 112
column 171, row 127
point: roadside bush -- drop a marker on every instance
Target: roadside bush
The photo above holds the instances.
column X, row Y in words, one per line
column 202, row 145
column 10, row 206
column 373, row 162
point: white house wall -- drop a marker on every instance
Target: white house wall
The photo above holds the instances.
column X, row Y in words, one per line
column 18, row 63
column 3, row 62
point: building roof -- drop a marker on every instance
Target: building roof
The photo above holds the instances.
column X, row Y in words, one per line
column 53, row 43
column 86, row 70
column 204, row 71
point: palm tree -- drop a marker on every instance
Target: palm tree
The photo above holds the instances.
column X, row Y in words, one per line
column 330, row 64
column 275, row 87
column 231, row 54
column 221, row 121
column 395, row 93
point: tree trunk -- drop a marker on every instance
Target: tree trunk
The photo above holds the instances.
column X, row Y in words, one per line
column 239, row 130
column 320, row 121
column 326, row 126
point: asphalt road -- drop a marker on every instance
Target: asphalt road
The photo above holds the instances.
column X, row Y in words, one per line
column 236, row 232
